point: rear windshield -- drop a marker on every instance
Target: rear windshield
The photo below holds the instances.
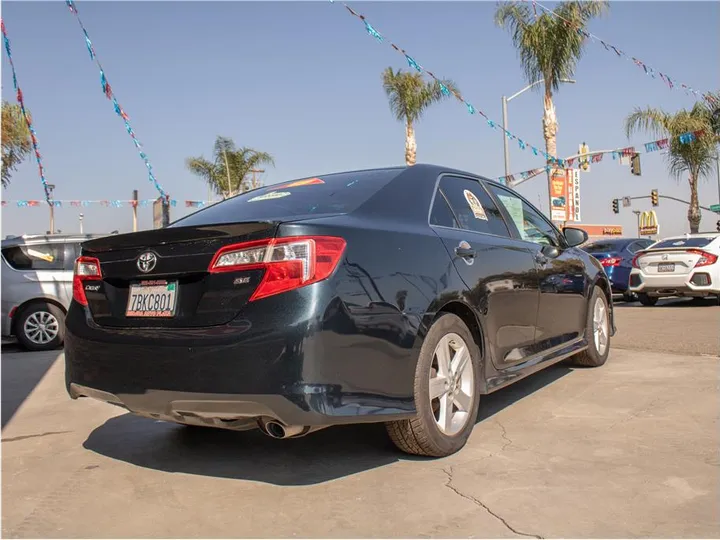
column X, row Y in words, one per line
column 339, row 193
column 693, row 242
column 601, row 246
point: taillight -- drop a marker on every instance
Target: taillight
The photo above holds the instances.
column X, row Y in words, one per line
column 611, row 261
column 289, row 263
column 705, row 257
column 634, row 262
column 86, row 269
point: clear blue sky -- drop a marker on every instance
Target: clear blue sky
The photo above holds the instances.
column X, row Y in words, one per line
column 302, row 81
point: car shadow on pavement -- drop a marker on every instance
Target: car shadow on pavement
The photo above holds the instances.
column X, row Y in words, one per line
column 21, row 371
column 319, row 457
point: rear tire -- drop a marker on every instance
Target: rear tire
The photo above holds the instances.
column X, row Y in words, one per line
column 597, row 330
column 40, row 326
column 450, row 360
column 646, row 300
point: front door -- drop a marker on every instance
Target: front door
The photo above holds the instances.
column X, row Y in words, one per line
column 563, row 280
column 499, row 271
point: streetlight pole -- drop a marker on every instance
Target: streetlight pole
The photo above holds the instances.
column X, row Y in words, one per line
column 80, row 218
column 51, row 187
column 637, row 214
column 505, row 101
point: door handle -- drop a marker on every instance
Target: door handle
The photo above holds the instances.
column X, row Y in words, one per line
column 465, row 252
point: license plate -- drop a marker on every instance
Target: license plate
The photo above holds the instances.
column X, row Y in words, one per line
column 666, row 267
column 152, row 299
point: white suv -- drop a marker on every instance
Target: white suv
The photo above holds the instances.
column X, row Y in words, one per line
column 686, row 265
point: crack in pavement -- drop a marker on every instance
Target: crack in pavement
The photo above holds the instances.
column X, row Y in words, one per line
column 504, row 435
column 21, row 437
column 484, row 506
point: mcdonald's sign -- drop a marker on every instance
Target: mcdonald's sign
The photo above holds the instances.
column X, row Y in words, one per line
column 648, row 223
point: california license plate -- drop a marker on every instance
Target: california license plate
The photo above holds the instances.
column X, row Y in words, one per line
column 666, row 267
column 152, row 299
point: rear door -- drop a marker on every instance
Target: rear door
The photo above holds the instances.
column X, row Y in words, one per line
column 498, row 270
column 563, row 278
column 41, row 271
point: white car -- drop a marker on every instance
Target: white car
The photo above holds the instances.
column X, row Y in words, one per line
column 686, row 265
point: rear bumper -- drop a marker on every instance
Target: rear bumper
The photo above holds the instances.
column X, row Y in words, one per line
column 296, row 375
column 660, row 285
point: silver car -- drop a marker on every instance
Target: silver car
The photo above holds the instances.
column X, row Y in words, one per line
column 37, row 281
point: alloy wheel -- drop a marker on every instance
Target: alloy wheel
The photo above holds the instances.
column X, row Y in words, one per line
column 41, row 327
column 452, row 384
column 600, row 326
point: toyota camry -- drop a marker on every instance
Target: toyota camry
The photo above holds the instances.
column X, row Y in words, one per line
column 394, row 295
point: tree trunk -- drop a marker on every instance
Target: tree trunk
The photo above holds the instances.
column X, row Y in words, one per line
column 410, row 145
column 550, row 128
column 694, row 215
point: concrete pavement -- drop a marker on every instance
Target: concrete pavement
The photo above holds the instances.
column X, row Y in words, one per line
column 629, row 449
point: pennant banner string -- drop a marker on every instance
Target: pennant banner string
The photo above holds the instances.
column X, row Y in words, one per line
column 370, row 29
column 26, row 116
column 652, row 72
column 108, row 91
column 596, row 157
column 114, row 203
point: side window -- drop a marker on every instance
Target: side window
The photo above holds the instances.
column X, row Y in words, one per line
column 472, row 206
column 36, row 257
column 72, row 252
column 531, row 225
column 441, row 214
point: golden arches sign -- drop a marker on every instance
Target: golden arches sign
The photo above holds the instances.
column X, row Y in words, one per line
column 649, row 223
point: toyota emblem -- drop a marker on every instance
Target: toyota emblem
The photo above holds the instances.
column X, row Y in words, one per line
column 146, row 262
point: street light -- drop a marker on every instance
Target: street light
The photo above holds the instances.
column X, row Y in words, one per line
column 51, row 188
column 505, row 101
column 80, row 217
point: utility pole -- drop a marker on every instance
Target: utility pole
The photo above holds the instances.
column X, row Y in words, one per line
column 254, row 181
column 134, row 207
column 505, row 139
column 51, row 187
column 637, row 214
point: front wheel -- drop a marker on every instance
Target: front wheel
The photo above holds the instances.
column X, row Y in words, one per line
column 447, row 392
column 597, row 330
column 40, row 326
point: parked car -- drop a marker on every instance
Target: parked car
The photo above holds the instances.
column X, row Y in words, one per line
column 616, row 255
column 37, row 276
column 395, row 295
column 684, row 265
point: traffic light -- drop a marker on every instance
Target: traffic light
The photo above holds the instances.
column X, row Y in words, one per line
column 654, row 197
column 616, row 206
column 717, row 227
column 635, row 164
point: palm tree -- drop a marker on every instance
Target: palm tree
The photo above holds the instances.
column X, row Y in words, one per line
column 695, row 157
column 410, row 96
column 227, row 174
column 15, row 140
column 550, row 47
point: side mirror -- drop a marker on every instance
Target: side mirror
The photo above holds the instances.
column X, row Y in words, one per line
column 575, row 236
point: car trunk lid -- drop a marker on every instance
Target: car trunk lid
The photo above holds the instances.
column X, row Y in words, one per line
column 679, row 261
column 175, row 262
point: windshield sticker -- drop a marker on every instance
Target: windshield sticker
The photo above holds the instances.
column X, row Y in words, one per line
column 271, row 195
column 477, row 209
column 308, row 182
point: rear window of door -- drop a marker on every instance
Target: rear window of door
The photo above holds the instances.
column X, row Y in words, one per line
column 339, row 193
column 36, row 256
column 463, row 203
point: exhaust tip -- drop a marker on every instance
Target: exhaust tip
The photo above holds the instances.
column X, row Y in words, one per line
column 275, row 430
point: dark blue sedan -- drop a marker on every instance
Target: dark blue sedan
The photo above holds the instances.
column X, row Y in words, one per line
column 616, row 255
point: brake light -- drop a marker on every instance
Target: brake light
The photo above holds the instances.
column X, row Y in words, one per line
column 86, row 269
column 705, row 259
column 634, row 262
column 611, row 261
column 289, row 263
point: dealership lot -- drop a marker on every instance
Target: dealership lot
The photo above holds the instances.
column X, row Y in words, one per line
column 629, row 449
